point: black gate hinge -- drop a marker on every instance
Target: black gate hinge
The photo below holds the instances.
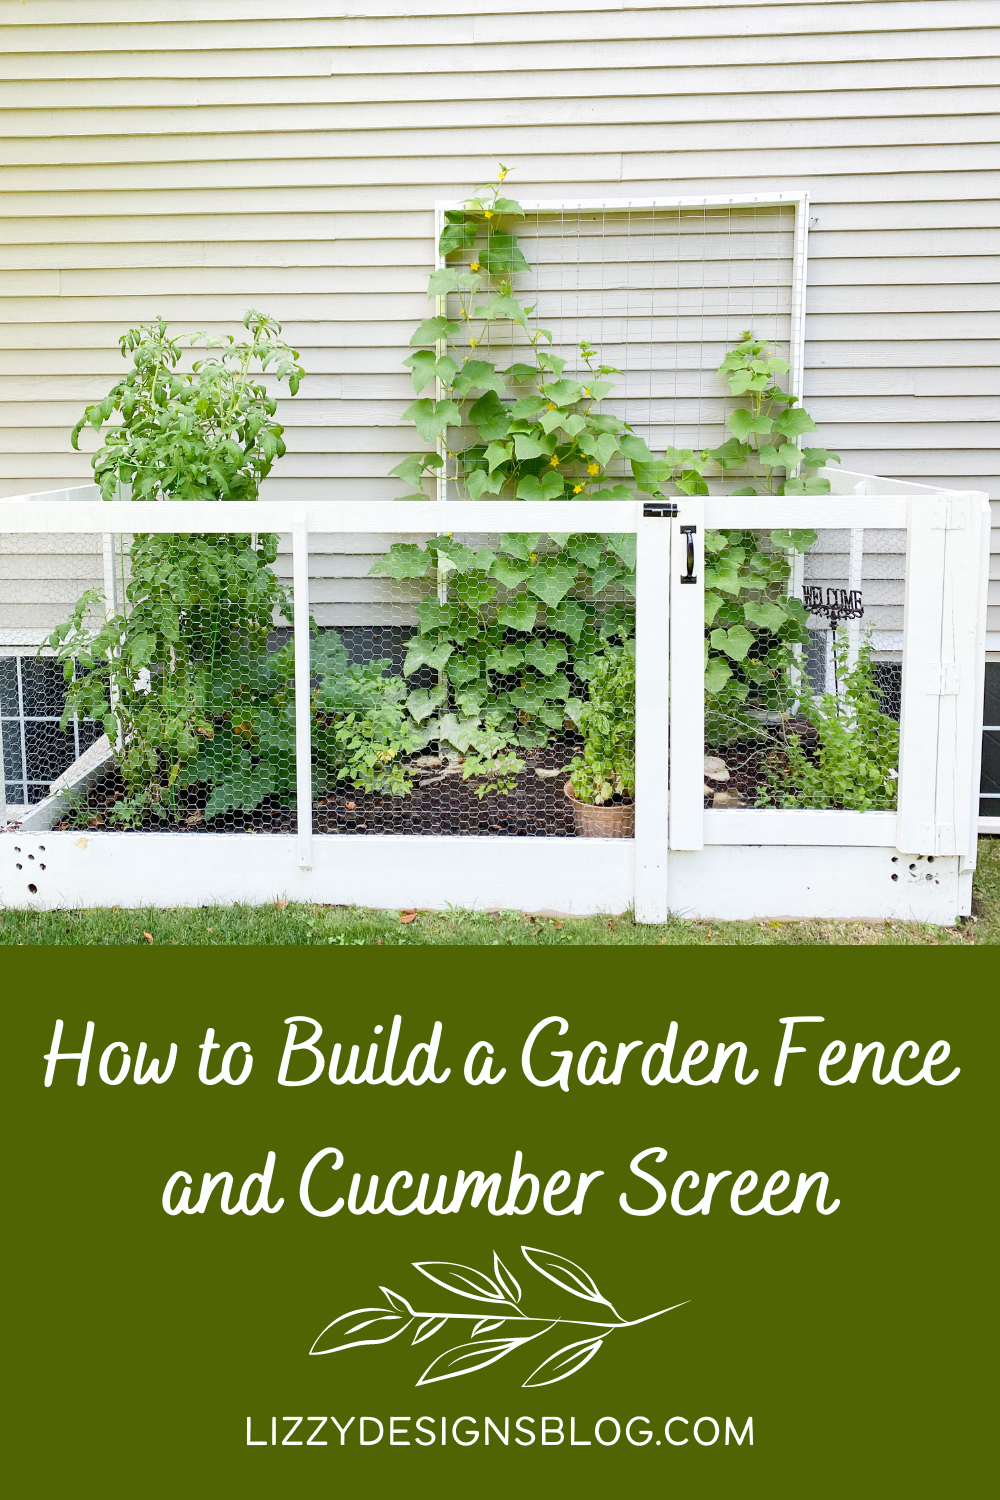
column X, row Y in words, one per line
column 659, row 508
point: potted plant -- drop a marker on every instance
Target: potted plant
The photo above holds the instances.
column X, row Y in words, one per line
column 601, row 786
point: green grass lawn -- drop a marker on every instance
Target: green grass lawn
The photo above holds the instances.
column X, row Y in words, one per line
column 359, row 926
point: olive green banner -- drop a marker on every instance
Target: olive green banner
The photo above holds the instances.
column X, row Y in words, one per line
column 454, row 1221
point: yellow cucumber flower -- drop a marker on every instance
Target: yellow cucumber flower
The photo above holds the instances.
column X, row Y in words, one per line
column 554, row 460
column 577, row 488
column 593, row 468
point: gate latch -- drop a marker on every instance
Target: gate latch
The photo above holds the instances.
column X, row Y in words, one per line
column 659, row 508
column 689, row 533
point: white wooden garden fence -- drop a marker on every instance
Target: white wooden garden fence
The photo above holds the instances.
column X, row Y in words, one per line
column 915, row 862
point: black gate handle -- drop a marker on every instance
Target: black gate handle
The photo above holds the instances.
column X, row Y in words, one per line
column 689, row 532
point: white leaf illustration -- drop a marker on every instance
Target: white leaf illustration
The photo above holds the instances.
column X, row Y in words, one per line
column 487, row 1325
column 396, row 1301
column 564, row 1362
column 365, row 1325
column 428, row 1328
column 464, row 1280
column 505, row 1279
column 565, row 1273
column 467, row 1358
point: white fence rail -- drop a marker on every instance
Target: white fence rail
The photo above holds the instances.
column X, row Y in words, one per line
column 685, row 857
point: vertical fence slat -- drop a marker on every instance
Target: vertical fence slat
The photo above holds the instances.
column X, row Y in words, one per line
column 920, row 705
column 958, row 760
column 652, row 719
column 981, row 512
column 303, row 713
column 942, row 625
column 687, row 680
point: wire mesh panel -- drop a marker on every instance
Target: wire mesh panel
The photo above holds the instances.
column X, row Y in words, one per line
column 451, row 675
column 41, row 577
column 803, row 668
column 989, row 800
column 659, row 294
column 37, row 745
column 183, row 657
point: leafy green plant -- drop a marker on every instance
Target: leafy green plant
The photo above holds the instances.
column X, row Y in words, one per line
column 516, row 634
column 208, row 433
column 184, row 677
column 540, row 435
column 853, row 762
column 752, row 625
column 606, row 767
column 361, row 729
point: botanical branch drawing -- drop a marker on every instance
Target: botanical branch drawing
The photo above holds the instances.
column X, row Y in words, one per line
column 502, row 1295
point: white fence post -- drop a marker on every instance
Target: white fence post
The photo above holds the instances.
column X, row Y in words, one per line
column 937, row 754
column 687, row 677
column 303, row 688
column 652, row 714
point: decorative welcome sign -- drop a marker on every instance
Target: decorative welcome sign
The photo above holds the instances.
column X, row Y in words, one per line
column 293, row 1239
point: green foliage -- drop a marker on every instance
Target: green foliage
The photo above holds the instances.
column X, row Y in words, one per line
column 204, row 434
column 362, row 731
column 519, row 628
column 751, row 628
column 854, row 763
column 541, row 436
column 183, row 678
column 606, row 767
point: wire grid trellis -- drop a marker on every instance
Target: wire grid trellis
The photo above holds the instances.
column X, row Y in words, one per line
column 36, row 750
column 662, row 292
column 787, row 711
column 990, row 786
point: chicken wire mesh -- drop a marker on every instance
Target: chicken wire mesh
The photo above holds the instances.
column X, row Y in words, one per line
column 449, row 675
column 176, row 647
column 661, row 294
column 456, row 669
column 804, row 652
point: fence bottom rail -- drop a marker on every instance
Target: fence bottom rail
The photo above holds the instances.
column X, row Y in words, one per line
column 52, row 870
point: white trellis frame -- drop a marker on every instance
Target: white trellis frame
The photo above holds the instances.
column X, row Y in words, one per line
column 554, row 209
column 913, row 863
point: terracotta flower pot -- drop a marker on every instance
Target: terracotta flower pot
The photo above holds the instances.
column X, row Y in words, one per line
column 601, row 822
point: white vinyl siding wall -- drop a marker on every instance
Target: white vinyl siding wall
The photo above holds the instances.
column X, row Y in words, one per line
column 221, row 154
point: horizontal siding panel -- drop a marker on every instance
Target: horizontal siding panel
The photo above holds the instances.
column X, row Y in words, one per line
column 458, row 28
column 945, row 268
column 502, row 56
column 952, row 246
column 907, row 187
column 64, row 134
column 935, row 381
column 58, row 12
column 519, row 83
column 397, row 138
column 907, row 463
column 350, row 256
column 404, row 165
